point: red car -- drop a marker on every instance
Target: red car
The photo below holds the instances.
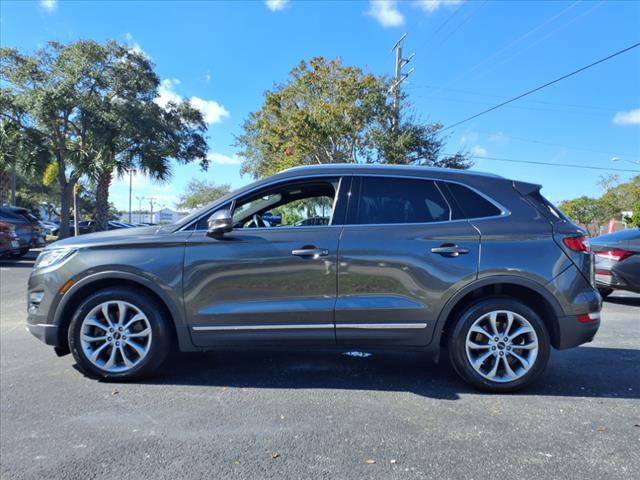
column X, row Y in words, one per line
column 9, row 244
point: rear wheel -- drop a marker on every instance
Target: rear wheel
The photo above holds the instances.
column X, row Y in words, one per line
column 499, row 345
column 605, row 291
column 119, row 334
column 21, row 253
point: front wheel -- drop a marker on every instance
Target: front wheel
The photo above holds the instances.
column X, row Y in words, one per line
column 499, row 345
column 119, row 334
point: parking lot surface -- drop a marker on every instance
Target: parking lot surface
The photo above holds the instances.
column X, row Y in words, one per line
column 302, row 414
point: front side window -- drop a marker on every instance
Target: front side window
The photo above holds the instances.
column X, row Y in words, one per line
column 386, row 200
column 301, row 204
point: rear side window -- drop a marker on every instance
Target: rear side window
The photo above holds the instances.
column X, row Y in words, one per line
column 386, row 200
column 472, row 204
column 549, row 210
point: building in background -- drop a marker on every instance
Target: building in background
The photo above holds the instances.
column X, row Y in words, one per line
column 162, row 216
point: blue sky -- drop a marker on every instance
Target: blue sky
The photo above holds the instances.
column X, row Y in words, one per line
column 470, row 55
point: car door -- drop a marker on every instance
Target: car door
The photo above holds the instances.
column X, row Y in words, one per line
column 402, row 255
column 273, row 282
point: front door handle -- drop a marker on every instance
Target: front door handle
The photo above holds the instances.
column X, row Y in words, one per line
column 313, row 252
column 449, row 250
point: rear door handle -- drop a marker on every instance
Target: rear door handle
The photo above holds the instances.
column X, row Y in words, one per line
column 310, row 252
column 449, row 250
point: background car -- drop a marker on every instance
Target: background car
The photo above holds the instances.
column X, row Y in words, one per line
column 617, row 261
column 8, row 240
column 49, row 226
column 88, row 226
column 27, row 226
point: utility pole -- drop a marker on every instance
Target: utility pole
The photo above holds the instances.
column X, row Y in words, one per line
column 399, row 77
column 131, row 170
column 140, row 217
column 151, row 200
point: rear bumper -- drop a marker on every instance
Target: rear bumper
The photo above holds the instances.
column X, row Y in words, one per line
column 574, row 330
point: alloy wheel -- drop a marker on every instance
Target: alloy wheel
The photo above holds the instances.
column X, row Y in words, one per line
column 115, row 336
column 501, row 346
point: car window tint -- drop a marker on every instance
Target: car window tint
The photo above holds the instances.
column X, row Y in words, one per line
column 400, row 200
column 473, row 205
column 305, row 204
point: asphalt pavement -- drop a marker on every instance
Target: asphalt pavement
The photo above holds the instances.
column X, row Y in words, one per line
column 306, row 414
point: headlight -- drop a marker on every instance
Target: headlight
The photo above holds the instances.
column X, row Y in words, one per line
column 54, row 256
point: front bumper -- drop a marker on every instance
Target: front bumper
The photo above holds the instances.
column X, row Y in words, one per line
column 43, row 331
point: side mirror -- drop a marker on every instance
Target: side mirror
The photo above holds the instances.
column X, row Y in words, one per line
column 220, row 223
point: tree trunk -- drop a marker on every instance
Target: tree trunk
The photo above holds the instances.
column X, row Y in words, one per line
column 65, row 209
column 102, row 199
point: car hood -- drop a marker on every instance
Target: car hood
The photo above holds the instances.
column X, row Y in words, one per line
column 113, row 238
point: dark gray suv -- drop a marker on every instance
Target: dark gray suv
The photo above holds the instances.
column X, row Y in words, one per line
column 409, row 258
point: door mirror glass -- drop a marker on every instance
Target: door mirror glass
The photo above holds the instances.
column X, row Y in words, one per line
column 220, row 223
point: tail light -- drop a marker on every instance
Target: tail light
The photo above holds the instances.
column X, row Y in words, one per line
column 577, row 244
column 615, row 255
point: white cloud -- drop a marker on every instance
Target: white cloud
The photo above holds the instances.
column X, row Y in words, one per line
column 632, row 117
column 135, row 46
column 386, row 12
column 469, row 137
column 213, row 112
column 431, row 6
column 222, row 159
column 207, row 78
column 49, row 5
column 499, row 138
column 479, row 151
column 275, row 5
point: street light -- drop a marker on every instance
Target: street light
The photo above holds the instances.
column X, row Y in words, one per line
column 618, row 159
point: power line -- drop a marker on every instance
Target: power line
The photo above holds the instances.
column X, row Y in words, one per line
column 575, row 72
column 505, row 48
column 462, row 23
column 569, row 165
column 567, row 147
column 490, row 95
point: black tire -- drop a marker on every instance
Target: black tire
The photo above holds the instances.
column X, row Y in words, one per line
column 605, row 291
column 161, row 337
column 21, row 253
column 458, row 336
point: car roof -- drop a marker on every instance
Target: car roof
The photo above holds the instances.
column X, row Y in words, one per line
column 359, row 169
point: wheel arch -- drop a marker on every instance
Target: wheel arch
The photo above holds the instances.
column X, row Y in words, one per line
column 100, row 281
column 534, row 295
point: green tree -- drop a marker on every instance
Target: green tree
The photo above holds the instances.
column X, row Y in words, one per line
column 587, row 212
column 91, row 107
column 635, row 216
column 621, row 197
column 330, row 113
column 130, row 130
column 51, row 92
column 201, row 192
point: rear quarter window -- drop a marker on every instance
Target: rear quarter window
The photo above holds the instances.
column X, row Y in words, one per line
column 473, row 205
